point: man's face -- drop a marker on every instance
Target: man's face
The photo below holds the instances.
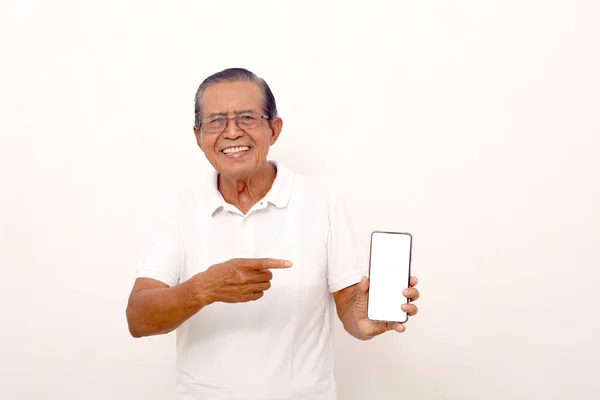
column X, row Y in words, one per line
column 236, row 152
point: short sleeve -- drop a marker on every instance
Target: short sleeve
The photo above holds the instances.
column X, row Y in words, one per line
column 347, row 262
column 161, row 258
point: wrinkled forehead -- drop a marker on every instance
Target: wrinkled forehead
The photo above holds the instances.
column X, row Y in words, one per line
column 231, row 98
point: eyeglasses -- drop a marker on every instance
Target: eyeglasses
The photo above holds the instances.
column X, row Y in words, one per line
column 246, row 120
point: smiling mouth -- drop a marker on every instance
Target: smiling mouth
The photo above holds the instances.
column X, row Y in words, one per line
column 232, row 150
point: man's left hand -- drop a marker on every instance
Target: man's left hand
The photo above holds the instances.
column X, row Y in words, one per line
column 368, row 328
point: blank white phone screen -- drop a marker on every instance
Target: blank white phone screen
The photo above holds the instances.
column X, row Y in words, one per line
column 389, row 275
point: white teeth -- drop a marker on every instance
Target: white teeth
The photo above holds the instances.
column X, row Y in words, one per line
column 235, row 149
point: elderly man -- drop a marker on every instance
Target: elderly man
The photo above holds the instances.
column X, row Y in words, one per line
column 247, row 267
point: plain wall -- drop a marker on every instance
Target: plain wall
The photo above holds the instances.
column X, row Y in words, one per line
column 474, row 125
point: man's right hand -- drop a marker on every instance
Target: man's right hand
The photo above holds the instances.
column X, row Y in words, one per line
column 239, row 280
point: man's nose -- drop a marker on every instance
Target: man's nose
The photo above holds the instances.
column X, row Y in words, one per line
column 232, row 131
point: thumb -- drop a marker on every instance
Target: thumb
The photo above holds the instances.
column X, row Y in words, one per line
column 363, row 290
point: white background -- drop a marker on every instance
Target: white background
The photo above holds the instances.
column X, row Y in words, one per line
column 474, row 125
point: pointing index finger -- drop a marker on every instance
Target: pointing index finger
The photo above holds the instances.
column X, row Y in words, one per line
column 269, row 263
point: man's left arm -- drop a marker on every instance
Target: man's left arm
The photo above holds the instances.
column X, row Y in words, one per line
column 351, row 305
column 347, row 262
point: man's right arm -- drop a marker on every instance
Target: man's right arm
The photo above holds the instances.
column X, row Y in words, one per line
column 154, row 308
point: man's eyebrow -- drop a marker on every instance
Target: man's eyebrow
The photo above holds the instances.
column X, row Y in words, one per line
column 215, row 114
column 225, row 114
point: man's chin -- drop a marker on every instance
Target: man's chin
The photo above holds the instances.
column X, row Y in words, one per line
column 238, row 169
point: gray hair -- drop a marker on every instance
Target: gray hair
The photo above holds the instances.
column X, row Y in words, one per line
column 236, row 75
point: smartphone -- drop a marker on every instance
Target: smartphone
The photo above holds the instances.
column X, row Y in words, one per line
column 389, row 275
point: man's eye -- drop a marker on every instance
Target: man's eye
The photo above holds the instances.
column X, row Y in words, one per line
column 216, row 120
column 247, row 117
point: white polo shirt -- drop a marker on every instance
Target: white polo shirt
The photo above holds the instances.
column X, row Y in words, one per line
column 280, row 346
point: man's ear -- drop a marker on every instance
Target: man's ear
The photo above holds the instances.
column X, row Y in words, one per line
column 276, row 126
column 198, row 137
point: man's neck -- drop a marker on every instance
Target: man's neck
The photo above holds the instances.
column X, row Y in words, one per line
column 245, row 192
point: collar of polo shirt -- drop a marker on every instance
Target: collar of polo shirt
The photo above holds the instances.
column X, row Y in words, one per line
column 278, row 195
